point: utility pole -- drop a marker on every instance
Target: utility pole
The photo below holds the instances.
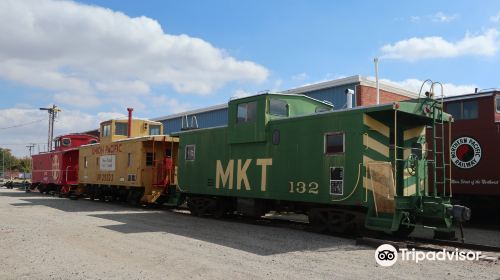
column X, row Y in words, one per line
column 30, row 164
column 52, row 116
column 30, row 147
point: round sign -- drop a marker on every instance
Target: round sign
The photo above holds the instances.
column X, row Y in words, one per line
column 465, row 152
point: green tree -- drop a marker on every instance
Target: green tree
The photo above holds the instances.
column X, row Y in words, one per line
column 9, row 161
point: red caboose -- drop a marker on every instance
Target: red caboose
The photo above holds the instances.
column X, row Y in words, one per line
column 57, row 170
column 474, row 150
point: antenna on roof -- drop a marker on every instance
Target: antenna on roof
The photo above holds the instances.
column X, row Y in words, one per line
column 375, row 61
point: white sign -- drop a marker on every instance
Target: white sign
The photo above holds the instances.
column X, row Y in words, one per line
column 107, row 163
column 465, row 152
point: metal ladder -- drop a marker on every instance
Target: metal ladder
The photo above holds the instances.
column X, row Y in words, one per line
column 439, row 162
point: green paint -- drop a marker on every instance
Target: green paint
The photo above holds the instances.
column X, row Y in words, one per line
column 236, row 160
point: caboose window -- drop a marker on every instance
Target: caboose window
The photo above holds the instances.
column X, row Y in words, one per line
column 66, row 142
column 129, row 160
column 190, row 152
column 106, row 130
column 455, row 109
column 247, row 112
column 278, row 107
column 334, row 143
column 149, row 159
column 498, row 103
column 154, row 129
column 470, row 110
column 121, row 129
column 466, row 110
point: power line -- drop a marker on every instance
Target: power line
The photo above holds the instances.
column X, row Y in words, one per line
column 19, row 144
column 22, row 124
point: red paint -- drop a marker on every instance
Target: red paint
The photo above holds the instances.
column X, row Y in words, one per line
column 60, row 166
column 483, row 178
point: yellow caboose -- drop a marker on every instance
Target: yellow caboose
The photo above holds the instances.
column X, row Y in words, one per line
column 133, row 162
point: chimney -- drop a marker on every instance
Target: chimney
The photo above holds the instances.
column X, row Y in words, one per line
column 129, row 121
column 475, row 90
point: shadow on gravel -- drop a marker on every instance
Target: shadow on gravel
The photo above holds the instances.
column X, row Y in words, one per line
column 80, row 205
column 261, row 237
column 20, row 194
column 251, row 238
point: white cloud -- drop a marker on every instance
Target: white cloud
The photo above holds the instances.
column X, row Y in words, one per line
column 438, row 17
column 442, row 17
column 449, row 89
column 170, row 105
column 88, row 54
column 495, row 18
column 415, row 19
column 413, row 49
column 36, row 123
column 240, row 94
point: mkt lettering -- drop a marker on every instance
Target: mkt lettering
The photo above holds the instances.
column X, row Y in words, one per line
column 224, row 177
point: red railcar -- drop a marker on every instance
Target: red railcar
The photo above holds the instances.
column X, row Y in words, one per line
column 57, row 170
column 474, row 150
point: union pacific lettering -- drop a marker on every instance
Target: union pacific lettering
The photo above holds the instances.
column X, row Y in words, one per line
column 108, row 149
column 224, row 177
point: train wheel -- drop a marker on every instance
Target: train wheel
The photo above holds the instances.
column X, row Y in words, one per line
column 403, row 231
column 335, row 221
column 134, row 197
column 199, row 206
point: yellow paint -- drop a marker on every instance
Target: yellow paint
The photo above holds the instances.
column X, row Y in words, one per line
column 225, row 175
column 410, row 190
column 376, row 125
column 414, row 132
column 377, row 146
column 406, row 153
column 241, row 174
column 264, row 162
column 140, row 128
column 118, row 152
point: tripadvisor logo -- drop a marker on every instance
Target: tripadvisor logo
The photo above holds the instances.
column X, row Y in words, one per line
column 465, row 152
column 387, row 255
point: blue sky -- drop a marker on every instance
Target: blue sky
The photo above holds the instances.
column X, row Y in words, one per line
column 95, row 58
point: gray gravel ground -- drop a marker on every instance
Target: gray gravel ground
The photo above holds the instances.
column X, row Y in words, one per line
column 43, row 237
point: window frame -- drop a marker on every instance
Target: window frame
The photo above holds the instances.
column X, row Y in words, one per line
column 155, row 126
column 186, row 152
column 287, row 107
column 246, row 120
column 325, row 143
column 106, row 129
column 152, row 159
column 121, row 124
column 461, row 105
column 474, row 102
column 63, row 142
column 497, row 104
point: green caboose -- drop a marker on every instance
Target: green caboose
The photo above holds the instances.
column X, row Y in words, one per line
column 347, row 168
